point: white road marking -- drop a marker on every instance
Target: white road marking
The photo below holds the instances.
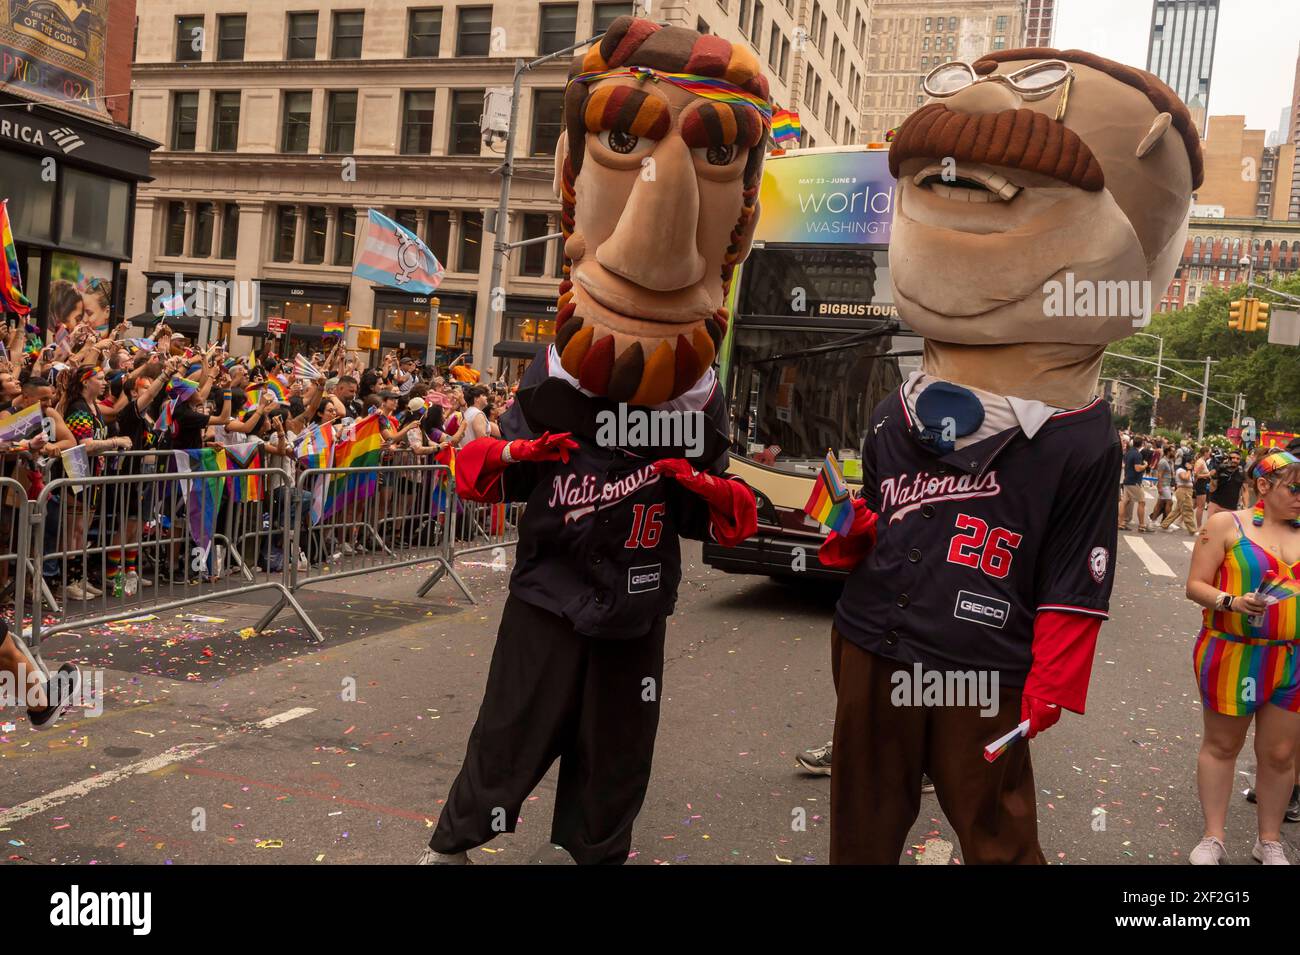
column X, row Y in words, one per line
column 176, row 754
column 1190, row 545
column 935, row 852
column 1150, row 558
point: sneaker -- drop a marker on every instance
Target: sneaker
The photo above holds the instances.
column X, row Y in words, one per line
column 346, row 549
column 61, row 692
column 430, row 857
column 815, row 761
column 1209, row 851
column 78, row 590
column 1123, row 527
column 1250, row 795
column 91, row 588
column 927, row 784
column 1269, row 853
column 1172, row 529
column 1293, row 808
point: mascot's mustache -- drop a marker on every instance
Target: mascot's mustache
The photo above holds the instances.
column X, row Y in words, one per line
column 1015, row 138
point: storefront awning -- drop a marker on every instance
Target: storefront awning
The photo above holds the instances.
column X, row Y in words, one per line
column 514, row 349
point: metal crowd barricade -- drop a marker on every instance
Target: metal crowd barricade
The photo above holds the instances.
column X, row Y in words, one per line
column 16, row 570
column 122, row 545
column 354, row 521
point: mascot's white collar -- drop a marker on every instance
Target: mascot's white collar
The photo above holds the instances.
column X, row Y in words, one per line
column 1000, row 412
column 692, row 400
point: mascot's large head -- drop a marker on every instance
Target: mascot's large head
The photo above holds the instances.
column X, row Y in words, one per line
column 1042, row 208
column 657, row 170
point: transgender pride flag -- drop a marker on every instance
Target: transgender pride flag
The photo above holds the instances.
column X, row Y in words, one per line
column 395, row 256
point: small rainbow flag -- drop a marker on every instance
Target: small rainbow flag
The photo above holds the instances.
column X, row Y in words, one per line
column 1000, row 745
column 786, row 125
column 332, row 330
column 11, row 280
column 830, row 504
column 254, row 394
column 1275, row 589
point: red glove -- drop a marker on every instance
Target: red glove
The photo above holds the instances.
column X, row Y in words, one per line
column 1041, row 714
column 733, row 510
column 1064, row 644
column 846, row 552
column 549, row 447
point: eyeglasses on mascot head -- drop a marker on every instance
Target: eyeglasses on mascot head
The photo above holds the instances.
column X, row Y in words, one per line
column 657, row 170
column 1042, row 207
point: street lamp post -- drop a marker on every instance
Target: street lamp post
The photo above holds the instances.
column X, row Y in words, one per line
column 1160, row 357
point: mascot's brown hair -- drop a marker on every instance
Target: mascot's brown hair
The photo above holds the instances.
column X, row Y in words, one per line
column 1035, row 171
column 657, row 171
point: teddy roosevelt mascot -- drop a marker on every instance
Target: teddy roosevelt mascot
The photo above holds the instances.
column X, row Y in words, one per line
column 1042, row 202
column 657, row 171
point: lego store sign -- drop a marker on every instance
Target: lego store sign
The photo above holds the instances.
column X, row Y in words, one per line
column 54, row 49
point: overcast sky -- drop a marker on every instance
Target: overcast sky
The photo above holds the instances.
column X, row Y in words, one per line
column 1254, row 55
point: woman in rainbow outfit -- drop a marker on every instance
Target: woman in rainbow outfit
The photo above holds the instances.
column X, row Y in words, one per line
column 1244, row 573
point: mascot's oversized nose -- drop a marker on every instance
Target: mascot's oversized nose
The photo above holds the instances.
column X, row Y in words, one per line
column 654, row 243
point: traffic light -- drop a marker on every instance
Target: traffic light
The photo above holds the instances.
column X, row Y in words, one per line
column 1236, row 314
column 1259, row 321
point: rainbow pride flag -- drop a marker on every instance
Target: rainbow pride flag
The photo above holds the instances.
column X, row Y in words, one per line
column 360, row 452
column 242, row 457
column 12, row 298
column 830, row 504
column 332, row 330
column 786, row 125
column 1000, row 745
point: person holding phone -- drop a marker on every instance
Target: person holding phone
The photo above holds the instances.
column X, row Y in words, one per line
column 1245, row 658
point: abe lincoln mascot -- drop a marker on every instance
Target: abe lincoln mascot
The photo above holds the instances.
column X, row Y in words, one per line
column 657, row 171
column 1041, row 208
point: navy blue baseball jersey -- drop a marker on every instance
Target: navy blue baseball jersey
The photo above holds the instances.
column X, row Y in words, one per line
column 599, row 539
column 973, row 544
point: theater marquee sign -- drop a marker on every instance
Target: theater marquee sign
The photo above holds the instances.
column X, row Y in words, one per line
column 54, row 49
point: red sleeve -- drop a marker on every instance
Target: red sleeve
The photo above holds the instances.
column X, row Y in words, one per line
column 478, row 470
column 733, row 512
column 1064, row 644
column 846, row 552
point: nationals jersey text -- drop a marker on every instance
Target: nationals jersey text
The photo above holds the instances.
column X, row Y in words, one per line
column 971, row 545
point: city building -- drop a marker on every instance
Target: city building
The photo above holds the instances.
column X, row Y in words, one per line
column 1293, row 125
column 69, row 166
column 1040, row 22
column 908, row 38
column 1180, row 50
column 1242, row 175
column 281, row 126
column 1214, row 250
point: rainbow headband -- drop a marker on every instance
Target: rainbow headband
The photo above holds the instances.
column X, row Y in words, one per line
column 1273, row 461
column 706, row 87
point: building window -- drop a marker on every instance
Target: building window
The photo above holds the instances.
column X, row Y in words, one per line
column 302, row 36
column 424, row 32
column 225, row 121
column 925, row 43
column 313, row 246
column 952, row 24
column 174, row 243
column 559, row 27
column 297, row 122
column 999, row 43
column 603, row 14
column 927, row 24
column 230, row 36
column 341, row 125
column 346, row 243
column 205, row 217
column 408, row 219
column 1001, row 26
column 756, row 31
column 533, row 261
column 229, row 230
column 185, row 121
column 349, row 26
column 473, row 31
column 417, row 122
column 548, row 121
column 286, row 232
column 466, row 110
column 471, row 241
column 189, row 39
column 437, row 234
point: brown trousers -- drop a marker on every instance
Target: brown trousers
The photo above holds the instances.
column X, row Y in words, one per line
column 881, row 750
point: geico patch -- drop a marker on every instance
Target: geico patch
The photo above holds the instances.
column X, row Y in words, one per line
column 980, row 609
column 644, row 578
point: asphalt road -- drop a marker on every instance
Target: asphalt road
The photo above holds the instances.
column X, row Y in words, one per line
column 219, row 748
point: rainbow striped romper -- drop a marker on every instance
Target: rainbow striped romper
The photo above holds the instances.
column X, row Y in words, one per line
column 1243, row 662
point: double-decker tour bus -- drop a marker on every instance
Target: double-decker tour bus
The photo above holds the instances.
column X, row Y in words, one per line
column 813, row 345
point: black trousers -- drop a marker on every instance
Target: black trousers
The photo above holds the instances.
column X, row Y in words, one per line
column 553, row 693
